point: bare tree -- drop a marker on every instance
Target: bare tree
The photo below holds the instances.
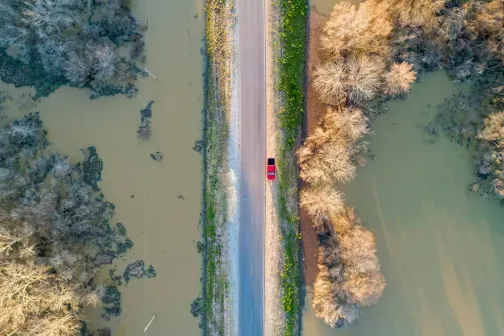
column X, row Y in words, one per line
column 76, row 69
column 398, row 80
column 321, row 203
column 30, row 297
column 330, row 301
column 73, row 39
column 330, row 163
column 349, row 276
column 328, row 155
column 357, row 31
column 51, row 17
column 364, row 78
column 105, row 61
column 23, row 129
column 486, row 23
column 493, row 130
column 358, row 79
column 414, row 13
column 330, row 82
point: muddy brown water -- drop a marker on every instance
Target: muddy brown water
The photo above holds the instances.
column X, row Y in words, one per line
column 440, row 249
column 163, row 227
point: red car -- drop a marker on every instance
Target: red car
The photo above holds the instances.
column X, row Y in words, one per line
column 271, row 169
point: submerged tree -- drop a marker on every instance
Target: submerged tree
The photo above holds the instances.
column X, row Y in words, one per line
column 55, row 233
column 399, row 78
column 70, row 42
column 349, row 276
column 321, row 203
column 330, row 153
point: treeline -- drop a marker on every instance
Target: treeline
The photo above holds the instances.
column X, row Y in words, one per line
column 74, row 42
column 55, row 233
column 349, row 272
column 369, row 54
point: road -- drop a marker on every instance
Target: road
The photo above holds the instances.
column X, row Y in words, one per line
column 250, row 16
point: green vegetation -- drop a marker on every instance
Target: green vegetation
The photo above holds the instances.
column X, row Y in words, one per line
column 291, row 74
column 216, row 112
column 292, row 66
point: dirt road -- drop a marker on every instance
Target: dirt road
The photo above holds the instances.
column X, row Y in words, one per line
column 250, row 16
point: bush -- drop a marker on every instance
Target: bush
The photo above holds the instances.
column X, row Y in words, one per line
column 414, row 13
column 356, row 31
column 321, row 203
column 330, row 153
column 399, row 78
column 490, row 158
column 357, row 80
column 350, row 275
column 485, row 22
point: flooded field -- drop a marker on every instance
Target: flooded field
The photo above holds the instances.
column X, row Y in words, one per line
column 162, row 225
column 439, row 248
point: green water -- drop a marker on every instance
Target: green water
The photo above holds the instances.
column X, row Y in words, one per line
column 440, row 249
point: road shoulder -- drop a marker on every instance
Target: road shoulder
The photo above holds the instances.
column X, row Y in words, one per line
column 273, row 319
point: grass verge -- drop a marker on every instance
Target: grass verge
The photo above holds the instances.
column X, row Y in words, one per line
column 219, row 20
column 291, row 75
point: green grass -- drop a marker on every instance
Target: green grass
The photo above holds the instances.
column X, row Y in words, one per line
column 291, row 67
column 290, row 277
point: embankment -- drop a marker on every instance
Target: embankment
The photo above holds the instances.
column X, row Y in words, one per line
column 289, row 69
column 219, row 309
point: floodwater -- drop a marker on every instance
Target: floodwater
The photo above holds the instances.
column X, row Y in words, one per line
column 325, row 6
column 440, row 249
column 163, row 227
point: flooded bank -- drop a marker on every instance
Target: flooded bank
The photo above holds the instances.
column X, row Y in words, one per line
column 439, row 247
column 162, row 225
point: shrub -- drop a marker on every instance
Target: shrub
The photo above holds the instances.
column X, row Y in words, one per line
column 356, row 31
column 359, row 80
column 330, row 82
column 364, row 78
column 399, row 78
column 485, row 22
column 329, row 154
column 414, row 13
column 490, row 158
column 35, row 302
column 350, row 275
column 363, row 280
column 321, row 203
